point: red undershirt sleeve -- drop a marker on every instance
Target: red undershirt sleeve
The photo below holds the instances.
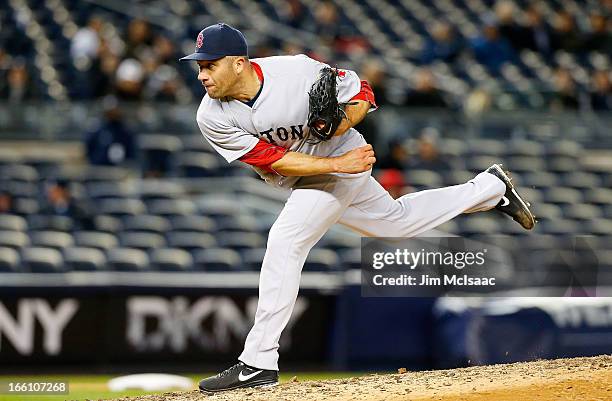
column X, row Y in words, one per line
column 263, row 155
column 366, row 93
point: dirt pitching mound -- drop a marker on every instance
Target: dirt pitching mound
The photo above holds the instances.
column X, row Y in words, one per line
column 561, row 379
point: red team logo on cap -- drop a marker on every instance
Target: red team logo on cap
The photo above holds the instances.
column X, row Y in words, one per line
column 199, row 40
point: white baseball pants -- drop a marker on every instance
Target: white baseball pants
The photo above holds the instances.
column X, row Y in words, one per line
column 361, row 203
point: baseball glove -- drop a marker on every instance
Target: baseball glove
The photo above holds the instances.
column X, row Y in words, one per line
column 324, row 111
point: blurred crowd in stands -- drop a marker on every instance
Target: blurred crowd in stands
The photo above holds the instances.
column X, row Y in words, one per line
column 138, row 62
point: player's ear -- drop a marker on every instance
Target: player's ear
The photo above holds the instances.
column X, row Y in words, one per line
column 239, row 63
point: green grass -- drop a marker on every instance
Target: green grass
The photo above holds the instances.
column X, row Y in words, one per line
column 87, row 387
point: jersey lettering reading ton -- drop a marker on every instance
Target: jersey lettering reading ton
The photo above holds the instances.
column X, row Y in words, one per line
column 278, row 116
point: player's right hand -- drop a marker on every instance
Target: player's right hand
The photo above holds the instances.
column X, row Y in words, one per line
column 356, row 161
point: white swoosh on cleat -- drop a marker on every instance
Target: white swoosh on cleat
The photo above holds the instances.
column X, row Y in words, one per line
column 505, row 201
column 243, row 378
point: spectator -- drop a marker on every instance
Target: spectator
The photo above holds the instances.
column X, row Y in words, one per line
column 396, row 157
column 393, row 181
column 7, row 203
column 490, row 49
column 566, row 95
column 565, row 34
column 295, row 14
column 443, row 45
column 538, row 36
column 165, row 86
column 19, row 87
column 508, row 27
column 111, row 143
column 601, row 92
column 60, row 202
column 428, row 157
column 129, row 79
column 373, row 72
column 599, row 38
column 86, row 41
column 425, row 92
column 139, row 38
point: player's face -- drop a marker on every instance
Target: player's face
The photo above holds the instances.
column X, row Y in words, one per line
column 217, row 77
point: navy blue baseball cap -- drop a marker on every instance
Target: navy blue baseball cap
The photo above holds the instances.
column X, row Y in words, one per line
column 218, row 41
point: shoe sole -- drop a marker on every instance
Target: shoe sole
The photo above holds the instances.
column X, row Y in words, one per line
column 256, row 385
column 530, row 220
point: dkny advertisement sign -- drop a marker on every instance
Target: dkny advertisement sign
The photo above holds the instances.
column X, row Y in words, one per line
column 165, row 326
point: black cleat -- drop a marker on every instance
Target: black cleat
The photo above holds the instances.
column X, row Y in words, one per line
column 239, row 376
column 511, row 203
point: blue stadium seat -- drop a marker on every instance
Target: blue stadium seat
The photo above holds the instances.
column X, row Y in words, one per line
column 193, row 223
column 11, row 222
column 108, row 224
column 127, row 259
column 599, row 196
column 95, row 239
column 252, row 258
column 241, row 240
column 157, row 151
column 196, row 164
column 191, row 240
column 217, row 259
column 582, row 212
column 350, row 259
column 172, row 207
column 121, row 207
column 561, row 195
column 238, row 223
column 50, row 222
column 41, row 260
column 322, row 260
column 14, row 239
column 145, row 222
column 141, row 240
column 169, row 259
column 9, row 260
column 51, row 239
column 84, row 259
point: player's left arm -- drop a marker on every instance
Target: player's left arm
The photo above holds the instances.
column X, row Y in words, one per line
column 358, row 106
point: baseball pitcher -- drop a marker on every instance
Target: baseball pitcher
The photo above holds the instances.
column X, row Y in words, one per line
column 291, row 119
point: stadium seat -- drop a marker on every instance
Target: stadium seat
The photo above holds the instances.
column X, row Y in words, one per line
column 252, row 258
column 121, row 207
column 193, row 223
column 26, row 206
column 41, row 260
column 599, row 196
column 598, row 227
column 238, row 222
column 477, row 225
column 561, row 227
column 455, row 177
column 19, row 173
column 168, row 259
column 159, row 189
column 581, row 212
column 110, row 190
column 196, row 143
column 51, row 239
column 561, row 165
column 339, row 241
column 423, row 178
column 157, row 151
column 127, row 259
column 561, row 195
column 95, row 239
column 195, row 164
column 172, row 207
column 9, row 260
column 323, row 260
column 581, row 180
column 145, row 222
column 108, row 224
column 84, row 259
column 350, row 259
column 14, row 239
column 141, row 240
column 217, row 259
column 49, row 222
column 538, row 179
column 191, row 240
column 11, row 222
column 523, row 147
column 240, row 240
